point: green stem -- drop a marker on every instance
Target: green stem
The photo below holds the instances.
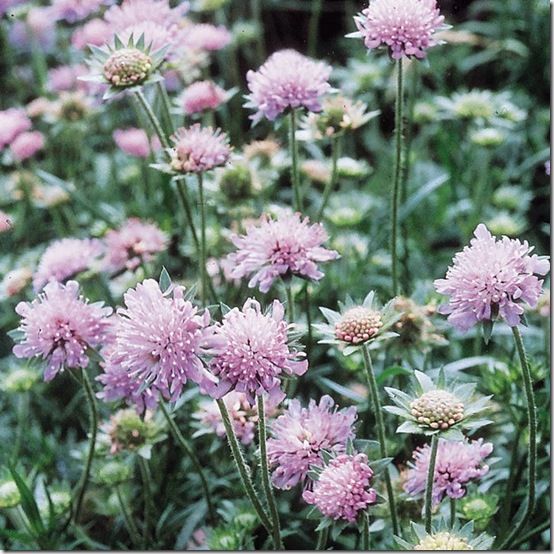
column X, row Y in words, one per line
column 532, row 455
column 256, row 9
column 294, row 158
column 89, row 393
column 22, row 422
column 429, row 483
column 154, row 121
column 243, row 469
column 290, row 301
column 365, row 532
column 183, row 196
column 308, row 305
column 266, row 483
column 166, row 106
column 203, row 271
column 374, row 393
column 128, row 517
column 178, row 436
column 538, row 529
column 398, row 173
column 322, row 538
column 452, row 512
column 330, row 185
column 507, row 502
column 313, row 28
column 147, row 492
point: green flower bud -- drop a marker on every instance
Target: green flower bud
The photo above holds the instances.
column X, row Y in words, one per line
column 114, row 473
column 443, row 541
column 127, row 67
column 437, row 409
column 9, row 494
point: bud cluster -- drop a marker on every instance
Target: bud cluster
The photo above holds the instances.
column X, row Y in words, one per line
column 358, row 325
column 127, row 431
column 127, row 67
column 443, row 541
column 437, row 409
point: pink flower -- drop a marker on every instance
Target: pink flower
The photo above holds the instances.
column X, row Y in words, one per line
column 65, row 77
column 135, row 142
column 299, row 436
column 202, row 95
column 198, row 149
column 26, row 145
column 16, row 280
column 457, row 464
column 287, row 80
column 65, row 258
column 74, row 10
column 343, row 488
column 159, row 339
column 278, row 247
column 204, row 36
column 96, row 32
column 133, row 243
column 250, row 352
column 5, row 222
column 13, row 122
column 491, row 277
column 59, row 326
column 405, row 26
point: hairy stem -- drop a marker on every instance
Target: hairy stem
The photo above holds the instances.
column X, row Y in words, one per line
column 322, row 538
column 203, row 271
column 147, row 492
column 330, row 185
column 128, row 517
column 154, row 121
column 429, row 483
column 294, row 158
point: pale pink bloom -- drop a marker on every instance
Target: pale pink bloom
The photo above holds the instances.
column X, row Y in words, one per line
column 250, row 353
column 299, row 436
column 287, row 80
column 198, row 149
column 26, row 145
column 13, row 122
column 16, row 280
column 74, row 10
column 65, row 258
column 59, row 326
column 202, row 95
column 96, row 32
column 343, row 488
column 135, row 142
column 491, row 277
column 458, row 463
column 133, row 243
column 5, row 222
column 39, row 107
column 406, row 27
column 204, row 36
column 280, row 247
column 65, row 77
column 155, row 35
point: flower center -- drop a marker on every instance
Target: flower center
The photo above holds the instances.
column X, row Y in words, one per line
column 127, row 67
column 358, row 325
column 443, row 541
column 437, row 409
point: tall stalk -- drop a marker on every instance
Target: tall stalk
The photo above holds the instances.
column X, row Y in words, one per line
column 147, row 494
column 398, row 172
column 429, row 483
column 294, row 158
column 452, row 512
column 313, row 26
column 532, row 451
column 365, row 532
column 266, row 482
column 330, row 185
column 203, row 271
column 154, row 121
column 374, row 393
column 128, row 517
column 322, row 538
column 290, row 301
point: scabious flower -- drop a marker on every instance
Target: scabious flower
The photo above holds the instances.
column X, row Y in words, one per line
column 343, row 488
column 16, row 280
column 198, row 149
column 133, row 243
column 287, row 80
column 205, row 36
column 65, row 258
column 135, row 142
column 299, row 436
column 96, row 32
column 280, row 247
column 491, row 279
column 457, row 464
column 250, row 352
column 200, row 96
column 160, row 338
column 26, row 145
column 5, row 222
column 59, row 326
column 406, row 27
column 74, row 10
column 13, row 122
column 65, row 77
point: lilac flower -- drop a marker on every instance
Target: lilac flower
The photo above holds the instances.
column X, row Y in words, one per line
column 59, row 326
column 159, row 339
column 65, row 258
column 491, row 277
column 287, row 80
column 198, row 149
column 133, row 243
column 135, row 142
column 96, row 32
column 250, row 352
column 208, row 37
column 65, row 77
column 13, row 122
column 26, row 145
column 457, row 464
column 299, row 435
column 278, row 247
column 406, row 27
column 74, row 10
column 200, row 96
column 343, row 488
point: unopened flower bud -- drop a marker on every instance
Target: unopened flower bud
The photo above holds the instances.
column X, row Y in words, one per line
column 437, row 409
column 127, row 67
column 443, row 541
column 358, row 325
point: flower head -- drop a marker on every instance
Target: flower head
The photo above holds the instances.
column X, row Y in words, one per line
column 13, row 121
column 16, row 280
column 64, row 259
column 287, row 80
column 127, row 67
column 59, row 326
column 204, row 36
column 343, row 488
column 198, row 149
column 126, row 430
column 251, row 352
column 26, row 145
column 491, row 279
column 200, row 96
column 406, row 27
column 9, row 494
column 457, row 464
column 300, row 435
column 280, row 247
column 135, row 142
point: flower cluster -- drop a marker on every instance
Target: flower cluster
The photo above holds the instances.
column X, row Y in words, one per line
column 135, row 142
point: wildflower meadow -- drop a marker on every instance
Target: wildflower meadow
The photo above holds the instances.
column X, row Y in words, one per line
column 274, row 275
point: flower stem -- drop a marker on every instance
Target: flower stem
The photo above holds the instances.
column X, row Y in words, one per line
column 183, row 196
column 365, row 532
column 147, row 492
column 203, row 272
column 313, row 28
column 266, row 483
column 398, row 173
column 294, row 158
column 243, row 469
column 178, row 436
column 330, row 185
column 128, row 517
column 532, row 455
column 154, row 121
column 452, row 512
column 93, row 411
column 322, row 538
column 372, row 382
column 290, row 301
column 166, row 106
column 429, row 484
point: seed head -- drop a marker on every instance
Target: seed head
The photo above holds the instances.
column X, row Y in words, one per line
column 443, row 541
column 437, row 409
column 127, row 67
column 358, row 325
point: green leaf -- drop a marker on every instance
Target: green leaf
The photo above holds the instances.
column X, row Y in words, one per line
column 410, row 427
column 452, row 434
column 165, row 280
column 325, row 522
column 340, row 389
column 379, row 465
column 395, row 410
column 487, row 330
column 28, row 503
column 425, row 381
